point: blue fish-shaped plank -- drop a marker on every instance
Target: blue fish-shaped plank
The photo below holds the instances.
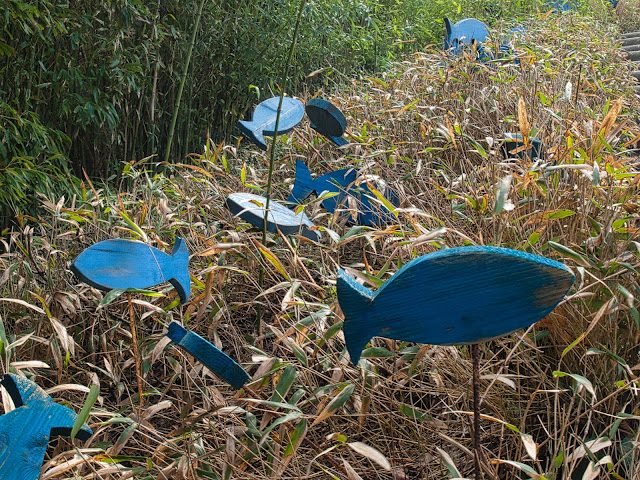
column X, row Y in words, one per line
column 465, row 31
column 119, row 263
column 25, row 431
column 215, row 360
column 327, row 120
column 342, row 182
column 454, row 296
column 263, row 121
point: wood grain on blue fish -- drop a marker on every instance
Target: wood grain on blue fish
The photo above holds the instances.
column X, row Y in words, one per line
column 25, row 431
column 263, row 121
column 327, row 120
column 343, row 182
column 454, row 296
column 251, row 209
column 215, row 360
column 119, row 263
column 464, row 32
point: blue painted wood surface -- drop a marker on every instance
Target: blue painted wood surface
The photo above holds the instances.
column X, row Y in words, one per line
column 216, row 360
column 464, row 32
column 454, row 296
column 25, row 431
column 119, row 263
column 251, row 208
column 513, row 142
column 263, row 121
column 327, row 120
column 560, row 5
column 342, row 182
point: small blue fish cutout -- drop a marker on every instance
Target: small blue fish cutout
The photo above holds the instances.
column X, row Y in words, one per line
column 342, row 182
column 514, row 143
column 327, row 120
column 464, row 32
column 215, row 360
column 263, row 121
column 454, row 296
column 25, row 431
column 119, row 263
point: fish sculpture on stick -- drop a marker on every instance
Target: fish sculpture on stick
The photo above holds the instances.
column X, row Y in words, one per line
column 263, row 121
column 120, row 263
column 454, row 296
column 25, row 431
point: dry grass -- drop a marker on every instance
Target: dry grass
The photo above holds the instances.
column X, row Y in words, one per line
column 430, row 128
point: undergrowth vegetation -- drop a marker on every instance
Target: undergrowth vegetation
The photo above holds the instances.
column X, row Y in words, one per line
column 559, row 400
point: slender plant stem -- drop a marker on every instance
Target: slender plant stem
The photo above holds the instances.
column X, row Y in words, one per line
column 136, row 355
column 174, row 119
column 272, row 157
column 475, row 353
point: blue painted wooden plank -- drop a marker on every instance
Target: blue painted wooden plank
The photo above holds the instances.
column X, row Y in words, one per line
column 215, row 359
column 119, row 263
column 464, row 32
column 25, row 431
column 327, row 120
column 342, row 182
column 454, row 296
column 536, row 149
column 251, row 209
column 263, row 121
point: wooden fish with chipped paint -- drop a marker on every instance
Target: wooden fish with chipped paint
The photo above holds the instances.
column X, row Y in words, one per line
column 25, row 431
column 454, row 296
column 263, row 121
column 119, row 263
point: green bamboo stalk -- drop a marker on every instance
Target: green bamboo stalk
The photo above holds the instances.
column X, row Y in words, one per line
column 172, row 128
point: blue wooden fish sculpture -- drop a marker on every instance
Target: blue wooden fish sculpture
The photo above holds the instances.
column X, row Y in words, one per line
column 25, row 431
column 215, row 360
column 514, row 145
column 119, row 263
column 327, row 120
column 251, row 209
column 263, row 121
column 464, row 32
column 343, row 182
column 454, row 296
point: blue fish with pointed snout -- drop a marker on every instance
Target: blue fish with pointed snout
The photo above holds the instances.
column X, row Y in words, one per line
column 344, row 183
column 263, row 121
column 25, row 431
column 454, row 296
column 119, row 263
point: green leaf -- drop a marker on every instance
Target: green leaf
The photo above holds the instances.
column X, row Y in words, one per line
column 376, row 352
column 296, row 437
column 284, row 384
column 579, row 259
column 558, row 214
column 92, row 396
column 582, row 381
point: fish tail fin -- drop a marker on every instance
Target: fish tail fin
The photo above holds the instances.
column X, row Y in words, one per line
column 355, row 302
column 181, row 280
column 303, row 184
column 448, row 40
column 256, row 136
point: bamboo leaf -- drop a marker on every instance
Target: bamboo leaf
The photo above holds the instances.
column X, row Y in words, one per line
column 94, row 391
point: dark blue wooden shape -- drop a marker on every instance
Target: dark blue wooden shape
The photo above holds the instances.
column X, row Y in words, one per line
column 263, row 121
column 560, row 5
column 327, row 120
column 341, row 182
column 464, row 32
column 453, row 296
column 536, row 149
column 119, row 263
column 251, row 209
column 25, row 431
column 215, row 360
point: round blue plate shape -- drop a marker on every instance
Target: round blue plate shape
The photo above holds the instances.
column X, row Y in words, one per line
column 326, row 118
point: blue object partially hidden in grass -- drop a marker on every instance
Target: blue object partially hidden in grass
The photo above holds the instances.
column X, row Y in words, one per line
column 215, row 360
column 514, row 146
column 560, row 5
column 343, row 184
column 25, row 431
column 263, row 121
column 251, row 209
column 119, row 263
column 464, row 32
column 454, row 296
column 327, row 120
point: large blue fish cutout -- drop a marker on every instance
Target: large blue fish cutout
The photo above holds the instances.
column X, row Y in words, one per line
column 263, row 121
column 216, row 360
column 342, row 182
column 25, row 431
column 454, row 296
column 464, row 32
column 119, row 263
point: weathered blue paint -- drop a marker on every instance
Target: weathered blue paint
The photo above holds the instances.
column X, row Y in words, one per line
column 560, row 5
column 251, row 209
column 25, row 431
column 536, row 149
column 327, row 120
column 464, row 32
column 454, row 296
column 263, row 121
column 342, row 182
column 119, row 263
column 215, row 360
